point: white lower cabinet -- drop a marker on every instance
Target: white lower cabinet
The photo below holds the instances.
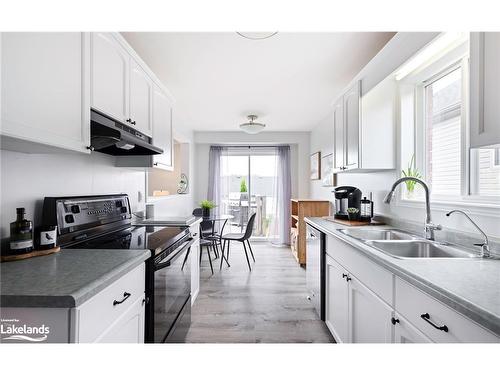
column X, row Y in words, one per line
column 116, row 314
column 129, row 327
column 364, row 305
column 354, row 314
column 195, row 264
column 337, row 301
column 406, row 333
column 369, row 316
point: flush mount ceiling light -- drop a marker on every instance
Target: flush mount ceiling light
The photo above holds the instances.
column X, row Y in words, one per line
column 256, row 35
column 252, row 127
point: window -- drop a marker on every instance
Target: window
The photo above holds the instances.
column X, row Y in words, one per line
column 434, row 127
column 485, row 172
column 443, row 133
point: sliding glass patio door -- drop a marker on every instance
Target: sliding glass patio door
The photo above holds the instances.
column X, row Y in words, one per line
column 249, row 176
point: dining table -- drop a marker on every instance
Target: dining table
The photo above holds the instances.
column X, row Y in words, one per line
column 213, row 218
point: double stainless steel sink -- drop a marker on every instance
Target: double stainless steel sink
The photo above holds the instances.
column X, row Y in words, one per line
column 403, row 245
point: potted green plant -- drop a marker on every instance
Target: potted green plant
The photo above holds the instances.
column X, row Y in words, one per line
column 353, row 213
column 243, row 186
column 206, row 206
column 411, row 171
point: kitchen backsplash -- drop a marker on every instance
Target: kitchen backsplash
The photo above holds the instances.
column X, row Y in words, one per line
column 28, row 178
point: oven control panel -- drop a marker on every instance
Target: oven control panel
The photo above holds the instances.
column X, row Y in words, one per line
column 75, row 213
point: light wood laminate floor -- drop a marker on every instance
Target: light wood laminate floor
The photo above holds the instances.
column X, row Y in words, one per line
column 266, row 305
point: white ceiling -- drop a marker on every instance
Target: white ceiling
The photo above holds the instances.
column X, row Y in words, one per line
column 289, row 80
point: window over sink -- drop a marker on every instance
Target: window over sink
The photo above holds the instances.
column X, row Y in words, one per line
column 434, row 104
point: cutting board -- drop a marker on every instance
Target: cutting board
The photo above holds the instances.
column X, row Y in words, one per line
column 353, row 223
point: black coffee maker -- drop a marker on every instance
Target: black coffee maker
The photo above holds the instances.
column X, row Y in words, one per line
column 346, row 197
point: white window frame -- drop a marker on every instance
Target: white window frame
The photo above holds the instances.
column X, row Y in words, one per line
column 475, row 204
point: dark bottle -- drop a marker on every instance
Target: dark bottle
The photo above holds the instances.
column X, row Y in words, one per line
column 21, row 234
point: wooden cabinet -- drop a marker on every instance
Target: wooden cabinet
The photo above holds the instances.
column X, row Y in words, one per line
column 484, row 89
column 354, row 314
column 337, row 301
column 43, row 92
column 300, row 208
column 110, row 76
column 162, row 129
column 141, row 90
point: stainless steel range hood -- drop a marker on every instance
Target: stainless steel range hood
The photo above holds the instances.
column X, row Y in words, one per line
column 112, row 137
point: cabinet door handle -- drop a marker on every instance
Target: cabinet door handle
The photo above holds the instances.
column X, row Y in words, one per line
column 394, row 321
column 344, row 275
column 133, row 122
column 427, row 318
column 129, row 120
column 126, row 295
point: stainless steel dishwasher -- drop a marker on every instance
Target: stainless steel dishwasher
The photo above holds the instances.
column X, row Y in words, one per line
column 315, row 269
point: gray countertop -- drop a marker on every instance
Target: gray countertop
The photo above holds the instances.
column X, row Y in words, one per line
column 470, row 286
column 65, row 279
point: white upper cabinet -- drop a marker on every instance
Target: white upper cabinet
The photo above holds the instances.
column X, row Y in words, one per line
column 162, row 128
column 110, row 76
column 378, row 126
column 43, row 91
column 121, row 88
column 141, row 87
column 364, row 128
column 484, row 89
column 351, row 126
column 338, row 135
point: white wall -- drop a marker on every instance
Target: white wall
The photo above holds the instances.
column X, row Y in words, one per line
column 380, row 183
column 27, row 178
column 299, row 150
column 180, row 204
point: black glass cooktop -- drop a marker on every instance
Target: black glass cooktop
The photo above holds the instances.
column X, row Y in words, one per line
column 156, row 239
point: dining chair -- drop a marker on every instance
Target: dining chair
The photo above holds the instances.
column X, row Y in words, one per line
column 208, row 232
column 240, row 237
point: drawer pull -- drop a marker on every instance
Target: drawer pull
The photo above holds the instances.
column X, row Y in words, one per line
column 344, row 275
column 126, row 295
column 394, row 321
column 427, row 318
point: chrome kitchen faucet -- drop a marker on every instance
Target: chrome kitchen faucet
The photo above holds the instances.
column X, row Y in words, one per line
column 429, row 227
column 485, row 247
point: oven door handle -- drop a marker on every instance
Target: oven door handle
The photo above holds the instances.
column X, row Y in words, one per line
column 168, row 260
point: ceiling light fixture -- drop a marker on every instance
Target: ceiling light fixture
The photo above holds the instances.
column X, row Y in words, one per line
column 256, row 35
column 252, row 127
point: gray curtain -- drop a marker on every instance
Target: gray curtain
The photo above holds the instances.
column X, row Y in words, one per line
column 214, row 181
column 284, row 194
